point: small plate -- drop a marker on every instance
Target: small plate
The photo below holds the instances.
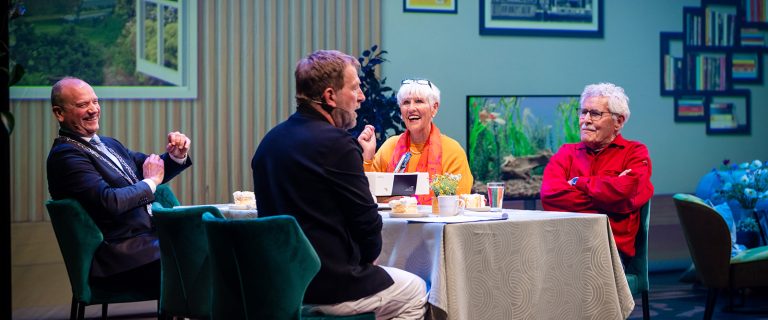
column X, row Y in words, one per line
column 241, row 207
column 481, row 209
column 408, row 215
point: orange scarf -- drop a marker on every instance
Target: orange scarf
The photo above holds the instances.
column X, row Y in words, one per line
column 431, row 160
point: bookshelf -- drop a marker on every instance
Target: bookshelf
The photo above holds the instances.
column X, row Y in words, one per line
column 720, row 47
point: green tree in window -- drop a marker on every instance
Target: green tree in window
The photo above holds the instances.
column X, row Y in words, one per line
column 48, row 57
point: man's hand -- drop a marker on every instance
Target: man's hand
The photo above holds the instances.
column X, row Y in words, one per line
column 154, row 169
column 367, row 140
column 178, row 145
column 624, row 173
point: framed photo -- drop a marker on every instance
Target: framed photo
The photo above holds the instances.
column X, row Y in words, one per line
column 435, row 6
column 729, row 113
column 690, row 108
column 560, row 18
column 510, row 138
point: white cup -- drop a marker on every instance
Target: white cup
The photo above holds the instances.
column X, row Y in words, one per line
column 450, row 205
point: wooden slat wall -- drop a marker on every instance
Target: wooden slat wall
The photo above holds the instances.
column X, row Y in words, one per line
column 247, row 51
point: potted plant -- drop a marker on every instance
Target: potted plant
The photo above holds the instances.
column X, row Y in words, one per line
column 380, row 107
column 743, row 186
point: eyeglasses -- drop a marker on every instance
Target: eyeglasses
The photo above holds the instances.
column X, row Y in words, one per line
column 417, row 81
column 594, row 115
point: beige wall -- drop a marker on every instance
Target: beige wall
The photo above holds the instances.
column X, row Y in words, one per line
column 247, row 51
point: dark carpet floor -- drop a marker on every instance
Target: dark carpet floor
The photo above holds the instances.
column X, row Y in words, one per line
column 669, row 299
column 672, row 299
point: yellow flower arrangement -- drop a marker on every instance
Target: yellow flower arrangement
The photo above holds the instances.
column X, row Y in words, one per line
column 445, row 184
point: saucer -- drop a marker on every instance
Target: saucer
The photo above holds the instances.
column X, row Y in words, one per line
column 233, row 206
column 409, row 215
column 480, row 209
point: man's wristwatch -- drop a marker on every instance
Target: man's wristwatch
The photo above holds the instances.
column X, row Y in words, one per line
column 573, row 181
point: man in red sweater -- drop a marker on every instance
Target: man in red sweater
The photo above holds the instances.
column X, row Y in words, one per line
column 604, row 173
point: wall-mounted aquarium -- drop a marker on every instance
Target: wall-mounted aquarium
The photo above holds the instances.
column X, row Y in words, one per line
column 510, row 138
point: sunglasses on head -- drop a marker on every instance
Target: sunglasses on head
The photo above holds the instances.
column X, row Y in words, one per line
column 418, row 81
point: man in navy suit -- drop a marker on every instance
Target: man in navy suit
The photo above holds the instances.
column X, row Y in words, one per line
column 114, row 184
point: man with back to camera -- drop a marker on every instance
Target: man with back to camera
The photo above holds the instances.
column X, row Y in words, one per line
column 310, row 167
column 114, row 184
column 604, row 173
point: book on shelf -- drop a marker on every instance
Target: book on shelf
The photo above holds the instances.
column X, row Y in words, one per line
column 756, row 11
column 719, row 24
column 721, row 116
column 673, row 72
column 691, row 111
column 690, row 107
column 753, row 37
column 721, row 108
column 744, row 66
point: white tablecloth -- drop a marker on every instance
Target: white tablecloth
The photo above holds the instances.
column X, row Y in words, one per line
column 535, row 265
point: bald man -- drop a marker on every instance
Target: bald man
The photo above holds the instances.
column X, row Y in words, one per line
column 114, row 184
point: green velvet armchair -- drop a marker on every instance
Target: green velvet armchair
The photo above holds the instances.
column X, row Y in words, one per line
column 185, row 289
column 78, row 238
column 165, row 197
column 261, row 268
column 637, row 268
column 709, row 243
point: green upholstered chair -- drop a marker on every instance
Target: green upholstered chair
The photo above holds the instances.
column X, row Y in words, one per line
column 637, row 268
column 261, row 268
column 164, row 195
column 709, row 243
column 185, row 289
column 78, row 238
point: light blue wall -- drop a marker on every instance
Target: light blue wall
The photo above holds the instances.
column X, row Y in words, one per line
column 448, row 49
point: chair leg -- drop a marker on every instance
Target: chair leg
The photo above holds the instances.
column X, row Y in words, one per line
column 73, row 309
column 80, row 311
column 104, row 311
column 711, row 299
column 646, row 307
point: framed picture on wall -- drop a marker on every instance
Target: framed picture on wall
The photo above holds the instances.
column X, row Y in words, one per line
column 560, row 18
column 435, row 6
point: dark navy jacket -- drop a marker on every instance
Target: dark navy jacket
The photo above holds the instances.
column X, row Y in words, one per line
column 309, row 169
column 116, row 205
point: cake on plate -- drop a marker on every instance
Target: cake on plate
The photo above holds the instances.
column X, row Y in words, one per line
column 404, row 205
column 245, row 199
column 474, row 200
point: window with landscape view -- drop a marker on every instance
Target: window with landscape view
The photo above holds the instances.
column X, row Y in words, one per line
column 127, row 48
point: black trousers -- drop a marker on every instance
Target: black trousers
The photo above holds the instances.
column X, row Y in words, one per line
column 145, row 279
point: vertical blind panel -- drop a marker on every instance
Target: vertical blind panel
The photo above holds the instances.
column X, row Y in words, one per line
column 247, row 54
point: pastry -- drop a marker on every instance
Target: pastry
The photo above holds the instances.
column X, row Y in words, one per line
column 474, row 200
column 404, row 205
column 245, row 198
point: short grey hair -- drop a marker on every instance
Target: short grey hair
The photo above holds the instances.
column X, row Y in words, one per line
column 618, row 102
column 429, row 92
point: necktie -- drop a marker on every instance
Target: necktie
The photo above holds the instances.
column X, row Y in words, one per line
column 96, row 142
